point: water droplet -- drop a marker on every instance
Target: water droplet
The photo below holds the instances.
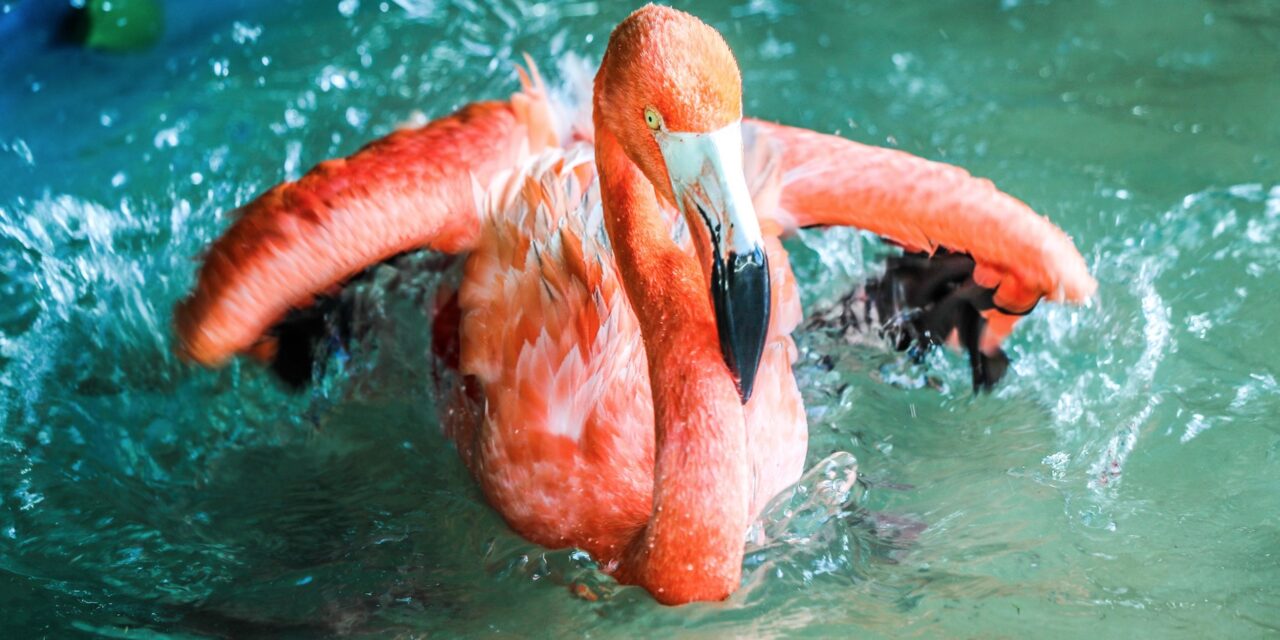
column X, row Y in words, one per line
column 356, row 117
column 1199, row 324
column 332, row 77
column 243, row 33
column 166, row 138
column 1195, row 427
column 292, row 159
column 294, row 119
column 19, row 147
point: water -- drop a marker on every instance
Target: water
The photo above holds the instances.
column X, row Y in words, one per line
column 1122, row 482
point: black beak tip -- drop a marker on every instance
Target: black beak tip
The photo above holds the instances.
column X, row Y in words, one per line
column 741, row 297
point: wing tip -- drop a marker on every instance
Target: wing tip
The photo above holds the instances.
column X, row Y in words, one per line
column 1075, row 284
column 191, row 344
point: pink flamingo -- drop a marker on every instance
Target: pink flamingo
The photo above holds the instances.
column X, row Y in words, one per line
column 626, row 307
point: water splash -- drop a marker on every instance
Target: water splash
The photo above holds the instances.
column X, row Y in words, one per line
column 800, row 512
column 1152, row 304
column 1106, row 471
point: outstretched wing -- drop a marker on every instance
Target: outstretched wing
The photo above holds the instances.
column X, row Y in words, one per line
column 1015, row 257
column 414, row 188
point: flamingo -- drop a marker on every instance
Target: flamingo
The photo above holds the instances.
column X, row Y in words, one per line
column 624, row 317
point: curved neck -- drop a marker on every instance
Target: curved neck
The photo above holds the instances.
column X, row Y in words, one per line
column 692, row 547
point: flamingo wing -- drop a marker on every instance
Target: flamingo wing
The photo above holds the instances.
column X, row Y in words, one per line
column 962, row 235
column 414, row 188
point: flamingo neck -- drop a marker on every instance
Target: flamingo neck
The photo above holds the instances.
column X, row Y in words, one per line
column 692, row 547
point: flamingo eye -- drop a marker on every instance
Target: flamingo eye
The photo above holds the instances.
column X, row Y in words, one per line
column 652, row 118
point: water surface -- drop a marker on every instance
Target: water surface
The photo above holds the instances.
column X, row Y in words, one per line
column 1123, row 481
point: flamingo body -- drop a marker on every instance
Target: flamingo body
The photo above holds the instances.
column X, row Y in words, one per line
column 598, row 407
column 566, row 445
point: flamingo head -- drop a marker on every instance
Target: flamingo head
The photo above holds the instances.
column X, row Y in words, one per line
column 670, row 91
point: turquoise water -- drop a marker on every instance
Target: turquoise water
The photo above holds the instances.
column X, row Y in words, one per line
column 1123, row 481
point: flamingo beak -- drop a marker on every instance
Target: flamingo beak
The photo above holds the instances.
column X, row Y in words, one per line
column 707, row 179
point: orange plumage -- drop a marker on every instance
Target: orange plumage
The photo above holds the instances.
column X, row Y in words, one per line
column 598, row 410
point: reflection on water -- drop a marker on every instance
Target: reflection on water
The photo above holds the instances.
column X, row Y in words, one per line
column 1122, row 478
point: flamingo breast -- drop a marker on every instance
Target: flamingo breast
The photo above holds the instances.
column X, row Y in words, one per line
column 565, row 446
column 563, row 442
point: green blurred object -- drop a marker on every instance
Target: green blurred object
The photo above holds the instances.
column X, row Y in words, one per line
column 122, row 25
